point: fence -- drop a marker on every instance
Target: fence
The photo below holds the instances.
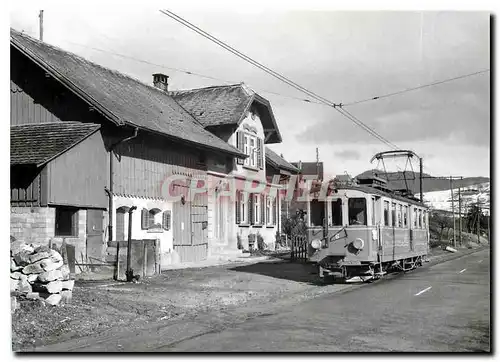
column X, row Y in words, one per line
column 299, row 244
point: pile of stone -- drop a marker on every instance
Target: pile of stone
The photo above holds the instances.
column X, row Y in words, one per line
column 39, row 272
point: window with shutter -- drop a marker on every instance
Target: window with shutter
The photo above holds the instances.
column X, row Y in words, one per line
column 275, row 210
column 144, row 219
column 260, row 153
column 167, row 217
column 262, row 209
column 239, row 146
column 238, row 206
column 250, row 208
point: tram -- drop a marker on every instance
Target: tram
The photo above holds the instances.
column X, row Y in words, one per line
column 366, row 230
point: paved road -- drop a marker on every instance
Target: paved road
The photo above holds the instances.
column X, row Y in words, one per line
column 445, row 307
column 442, row 307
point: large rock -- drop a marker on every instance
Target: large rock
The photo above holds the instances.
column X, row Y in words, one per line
column 66, row 296
column 23, row 286
column 49, row 264
column 35, row 268
column 16, row 275
column 16, row 246
column 39, row 256
column 33, row 295
column 41, row 249
column 51, row 275
column 32, row 278
column 55, row 256
column 22, row 258
column 68, row 285
column 65, row 271
column 52, row 287
column 13, row 266
column 13, row 285
column 13, row 304
column 54, row 299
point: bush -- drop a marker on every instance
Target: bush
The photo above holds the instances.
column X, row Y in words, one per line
column 239, row 243
column 261, row 245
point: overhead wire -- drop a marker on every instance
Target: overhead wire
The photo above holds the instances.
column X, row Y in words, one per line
column 416, row 88
column 275, row 74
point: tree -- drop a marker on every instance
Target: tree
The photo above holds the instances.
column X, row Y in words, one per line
column 441, row 221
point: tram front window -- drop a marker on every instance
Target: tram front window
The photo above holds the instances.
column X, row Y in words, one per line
column 317, row 213
column 337, row 212
column 357, row 211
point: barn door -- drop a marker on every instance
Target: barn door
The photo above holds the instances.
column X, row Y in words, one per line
column 95, row 245
column 190, row 226
column 199, row 221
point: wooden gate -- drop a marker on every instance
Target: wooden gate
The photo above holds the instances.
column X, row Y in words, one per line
column 95, row 242
column 299, row 247
column 190, row 221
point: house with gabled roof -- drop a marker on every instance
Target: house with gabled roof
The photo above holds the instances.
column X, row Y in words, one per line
column 90, row 145
column 245, row 120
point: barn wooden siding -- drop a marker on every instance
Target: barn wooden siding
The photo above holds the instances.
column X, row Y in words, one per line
column 78, row 176
column 36, row 97
column 24, row 186
column 24, row 109
column 143, row 164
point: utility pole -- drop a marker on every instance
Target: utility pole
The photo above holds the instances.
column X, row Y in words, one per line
column 460, row 210
column 478, row 220
column 129, row 272
column 421, row 179
column 41, row 24
column 317, row 161
column 453, row 212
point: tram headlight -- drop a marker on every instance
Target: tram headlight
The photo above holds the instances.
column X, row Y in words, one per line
column 316, row 243
column 358, row 243
column 374, row 235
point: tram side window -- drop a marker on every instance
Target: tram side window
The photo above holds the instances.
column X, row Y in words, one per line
column 386, row 213
column 424, row 215
column 405, row 217
column 317, row 213
column 357, row 211
column 393, row 212
column 373, row 211
column 337, row 212
column 400, row 216
column 414, row 218
column 420, row 219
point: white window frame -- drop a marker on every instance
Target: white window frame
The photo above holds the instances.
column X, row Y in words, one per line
column 257, row 209
column 243, row 207
column 250, row 150
column 269, row 210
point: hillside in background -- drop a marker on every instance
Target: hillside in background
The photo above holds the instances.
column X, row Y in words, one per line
column 396, row 180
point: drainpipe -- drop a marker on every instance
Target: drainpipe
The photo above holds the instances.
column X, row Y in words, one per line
column 110, row 191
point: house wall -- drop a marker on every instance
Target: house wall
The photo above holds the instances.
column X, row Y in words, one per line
column 246, row 171
column 268, row 233
column 167, row 254
column 78, row 177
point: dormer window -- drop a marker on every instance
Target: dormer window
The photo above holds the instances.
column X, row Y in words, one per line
column 250, row 145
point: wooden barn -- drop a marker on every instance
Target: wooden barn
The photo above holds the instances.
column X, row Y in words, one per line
column 89, row 143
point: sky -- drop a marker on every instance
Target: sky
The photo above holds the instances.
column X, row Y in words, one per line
column 342, row 56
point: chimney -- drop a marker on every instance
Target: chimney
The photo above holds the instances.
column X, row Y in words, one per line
column 160, row 81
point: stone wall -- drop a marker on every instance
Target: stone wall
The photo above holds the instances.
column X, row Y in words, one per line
column 37, row 225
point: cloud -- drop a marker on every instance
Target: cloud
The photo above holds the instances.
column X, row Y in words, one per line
column 348, row 155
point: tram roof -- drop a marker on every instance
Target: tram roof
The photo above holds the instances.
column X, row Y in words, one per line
column 375, row 191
